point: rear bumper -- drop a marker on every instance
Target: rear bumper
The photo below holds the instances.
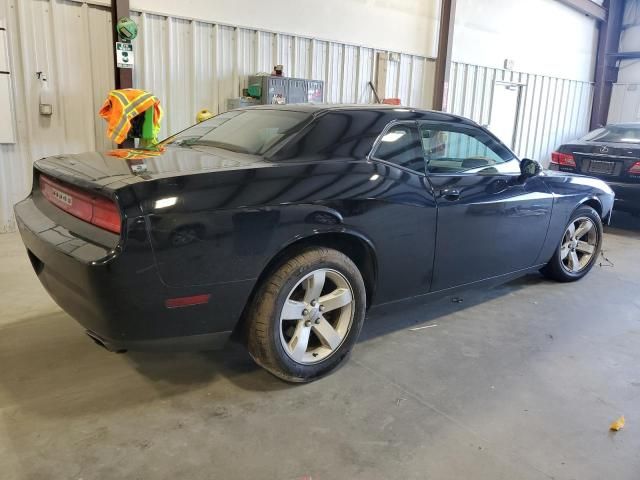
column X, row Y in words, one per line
column 116, row 294
column 208, row 341
column 627, row 196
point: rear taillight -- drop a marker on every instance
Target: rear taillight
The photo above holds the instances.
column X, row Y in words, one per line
column 563, row 159
column 635, row 169
column 99, row 211
column 106, row 215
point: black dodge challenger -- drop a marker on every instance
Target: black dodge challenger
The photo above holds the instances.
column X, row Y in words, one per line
column 287, row 223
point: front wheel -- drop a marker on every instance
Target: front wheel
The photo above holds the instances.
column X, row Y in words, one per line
column 307, row 315
column 579, row 248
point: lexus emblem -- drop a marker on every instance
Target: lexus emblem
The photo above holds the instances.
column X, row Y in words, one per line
column 604, row 149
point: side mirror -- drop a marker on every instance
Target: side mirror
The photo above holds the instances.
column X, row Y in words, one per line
column 529, row 168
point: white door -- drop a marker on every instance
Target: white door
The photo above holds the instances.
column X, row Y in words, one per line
column 504, row 111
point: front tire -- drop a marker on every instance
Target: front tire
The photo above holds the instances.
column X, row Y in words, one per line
column 307, row 315
column 579, row 247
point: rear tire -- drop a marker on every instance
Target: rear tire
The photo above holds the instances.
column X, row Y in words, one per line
column 578, row 250
column 307, row 315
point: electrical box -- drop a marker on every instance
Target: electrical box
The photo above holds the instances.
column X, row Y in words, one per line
column 315, row 91
column 241, row 102
column 273, row 90
column 297, row 91
column 7, row 121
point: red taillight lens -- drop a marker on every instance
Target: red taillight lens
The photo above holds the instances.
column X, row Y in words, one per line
column 635, row 169
column 563, row 159
column 99, row 211
column 106, row 215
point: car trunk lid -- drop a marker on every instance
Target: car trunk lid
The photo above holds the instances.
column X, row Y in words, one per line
column 100, row 189
column 102, row 170
column 612, row 162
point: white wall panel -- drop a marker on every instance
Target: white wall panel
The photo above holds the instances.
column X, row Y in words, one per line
column 625, row 103
column 302, row 58
column 630, row 36
column 403, row 25
column 366, row 69
column 350, row 74
column 552, row 110
column 246, row 54
column 542, row 36
column 264, row 51
column 335, row 75
column 625, row 98
column 191, row 65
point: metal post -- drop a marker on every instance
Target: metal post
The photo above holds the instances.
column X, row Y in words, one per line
column 443, row 62
column 606, row 71
column 124, row 76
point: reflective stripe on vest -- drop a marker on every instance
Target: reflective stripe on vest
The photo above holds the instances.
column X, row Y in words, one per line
column 129, row 108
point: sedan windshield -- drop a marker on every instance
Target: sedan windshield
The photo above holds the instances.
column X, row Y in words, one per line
column 244, row 131
column 615, row 134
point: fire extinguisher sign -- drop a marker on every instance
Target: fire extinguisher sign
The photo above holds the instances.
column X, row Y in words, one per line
column 124, row 55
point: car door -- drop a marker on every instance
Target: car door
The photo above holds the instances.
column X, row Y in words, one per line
column 401, row 220
column 490, row 223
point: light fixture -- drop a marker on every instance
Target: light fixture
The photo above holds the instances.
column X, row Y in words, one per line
column 166, row 202
column 374, row 177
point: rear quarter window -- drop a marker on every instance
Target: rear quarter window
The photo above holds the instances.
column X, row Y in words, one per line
column 337, row 134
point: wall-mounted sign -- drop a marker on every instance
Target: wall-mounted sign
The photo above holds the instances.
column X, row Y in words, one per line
column 127, row 29
column 124, row 55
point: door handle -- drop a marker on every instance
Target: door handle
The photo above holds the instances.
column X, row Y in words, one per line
column 450, row 194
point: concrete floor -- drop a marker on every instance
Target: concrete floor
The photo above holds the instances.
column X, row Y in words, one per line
column 519, row 382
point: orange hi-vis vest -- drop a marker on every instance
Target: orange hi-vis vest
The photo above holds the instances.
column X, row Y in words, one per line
column 136, row 153
column 122, row 106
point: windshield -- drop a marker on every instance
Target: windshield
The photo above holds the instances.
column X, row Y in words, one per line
column 615, row 134
column 243, row 131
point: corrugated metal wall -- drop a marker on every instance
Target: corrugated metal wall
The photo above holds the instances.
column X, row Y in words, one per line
column 71, row 43
column 552, row 110
column 191, row 65
column 188, row 64
column 625, row 103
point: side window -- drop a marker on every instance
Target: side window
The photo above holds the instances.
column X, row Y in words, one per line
column 401, row 145
column 450, row 150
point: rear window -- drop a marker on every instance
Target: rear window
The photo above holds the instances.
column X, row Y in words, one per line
column 615, row 134
column 244, row 131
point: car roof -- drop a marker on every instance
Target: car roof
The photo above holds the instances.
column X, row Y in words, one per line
column 318, row 108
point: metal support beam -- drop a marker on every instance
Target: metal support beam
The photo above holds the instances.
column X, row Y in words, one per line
column 606, row 72
column 588, row 8
column 625, row 55
column 124, row 76
column 443, row 62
